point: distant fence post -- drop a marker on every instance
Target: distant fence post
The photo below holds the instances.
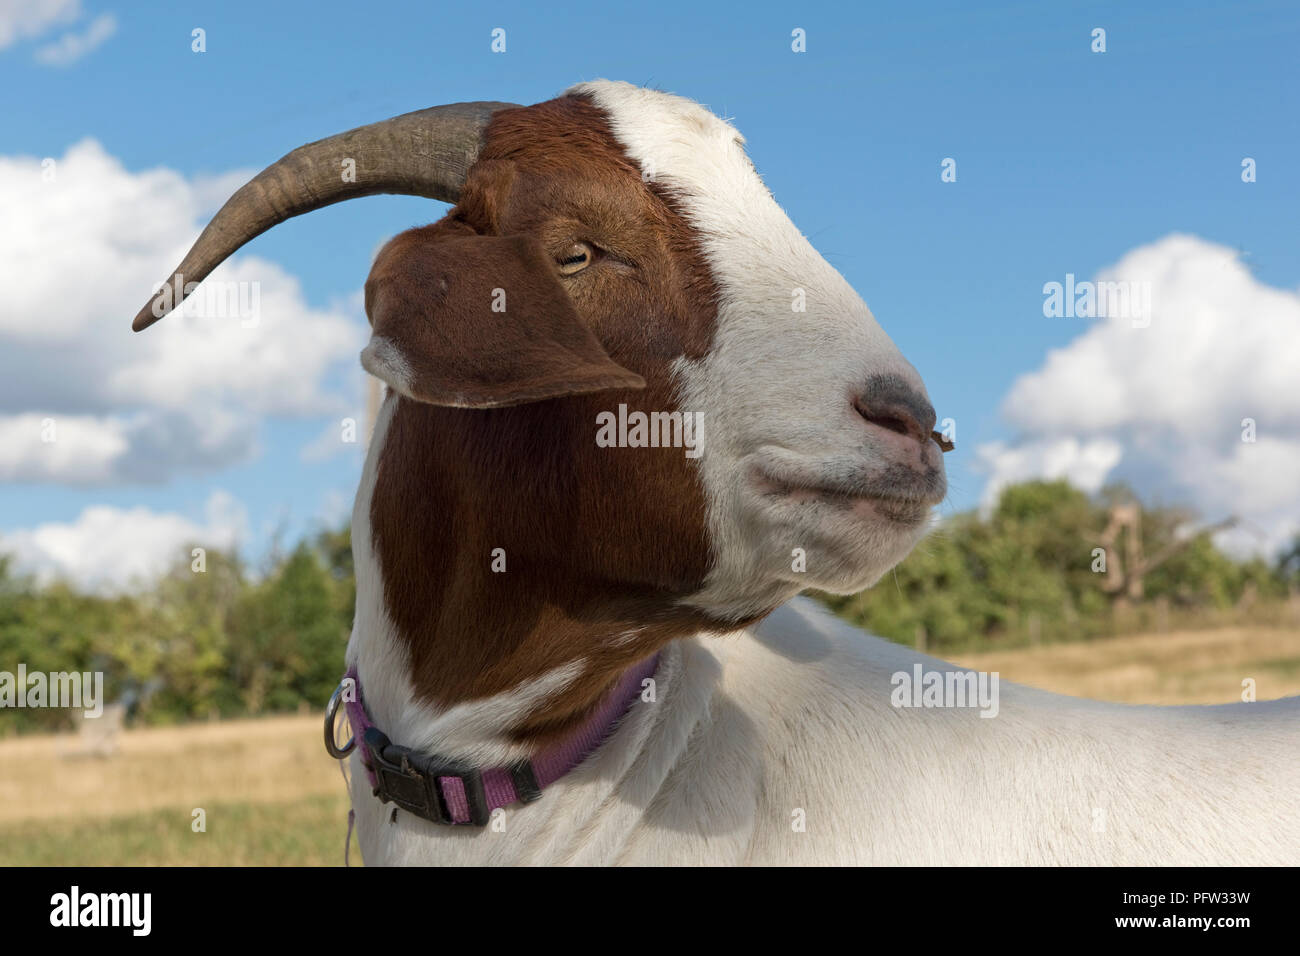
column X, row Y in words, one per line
column 98, row 736
column 920, row 638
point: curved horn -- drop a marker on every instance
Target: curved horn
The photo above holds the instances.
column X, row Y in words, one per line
column 425, row 153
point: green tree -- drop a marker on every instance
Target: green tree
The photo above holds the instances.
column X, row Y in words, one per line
column 288, row 640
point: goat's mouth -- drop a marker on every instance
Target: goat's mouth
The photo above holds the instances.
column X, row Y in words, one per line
column 898, row 493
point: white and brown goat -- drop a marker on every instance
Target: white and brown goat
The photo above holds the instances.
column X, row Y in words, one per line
column 615, row 246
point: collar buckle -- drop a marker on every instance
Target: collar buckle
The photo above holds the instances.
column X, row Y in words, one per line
column 414, row 781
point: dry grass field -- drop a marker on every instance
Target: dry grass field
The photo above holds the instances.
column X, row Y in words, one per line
column 1180, row 667
column 272, row 796
column 270, row 793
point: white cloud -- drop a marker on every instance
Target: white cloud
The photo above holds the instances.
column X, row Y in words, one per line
column 71, row 47
column 1162, row 406
column 1085, row 464
column 143, row 447
column 111, row 550
column 23, row 19
column 31, row 450
column 78, row 256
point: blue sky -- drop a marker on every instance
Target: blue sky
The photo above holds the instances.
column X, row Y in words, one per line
column 1067, row 162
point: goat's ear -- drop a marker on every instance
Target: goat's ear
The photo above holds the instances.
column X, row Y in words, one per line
column 479, row 322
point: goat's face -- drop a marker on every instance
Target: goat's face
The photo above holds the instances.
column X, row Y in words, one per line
column 616, row 246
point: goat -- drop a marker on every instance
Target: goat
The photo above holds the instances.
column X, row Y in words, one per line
column 520, row 583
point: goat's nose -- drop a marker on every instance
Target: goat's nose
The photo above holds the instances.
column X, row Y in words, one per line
column 891, row 403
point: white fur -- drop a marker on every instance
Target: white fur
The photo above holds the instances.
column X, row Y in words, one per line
column 748, row 729
column 385, row 361
column 777, row 384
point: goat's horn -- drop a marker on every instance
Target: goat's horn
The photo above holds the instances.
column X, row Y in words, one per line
column 425, row 153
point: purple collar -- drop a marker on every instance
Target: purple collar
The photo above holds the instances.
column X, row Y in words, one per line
column 445, row 791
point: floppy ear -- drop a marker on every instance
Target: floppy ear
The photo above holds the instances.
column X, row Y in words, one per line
column 479, row 322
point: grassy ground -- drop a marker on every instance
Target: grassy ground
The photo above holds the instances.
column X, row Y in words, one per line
column 1181, row 667
column 272, row 796
column 309, row 832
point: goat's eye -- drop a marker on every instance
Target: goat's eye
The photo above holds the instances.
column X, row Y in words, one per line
column 575, row 258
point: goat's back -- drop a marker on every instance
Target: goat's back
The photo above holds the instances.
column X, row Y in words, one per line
column 834, row 772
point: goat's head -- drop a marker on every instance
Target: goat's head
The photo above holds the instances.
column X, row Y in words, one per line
column 613, row 246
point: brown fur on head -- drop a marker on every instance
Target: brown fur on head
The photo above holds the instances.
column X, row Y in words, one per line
column 599, row 543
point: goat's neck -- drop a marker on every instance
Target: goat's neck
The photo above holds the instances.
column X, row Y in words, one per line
column 476, row 653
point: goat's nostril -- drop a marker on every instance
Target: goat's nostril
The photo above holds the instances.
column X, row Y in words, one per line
column 912, row 417
column 895, row 404
column 891, row 423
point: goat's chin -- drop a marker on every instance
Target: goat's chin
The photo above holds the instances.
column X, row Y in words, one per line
column 848, row 552
column 777, row 553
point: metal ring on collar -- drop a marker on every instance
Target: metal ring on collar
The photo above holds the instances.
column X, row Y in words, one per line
column 331, row 713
